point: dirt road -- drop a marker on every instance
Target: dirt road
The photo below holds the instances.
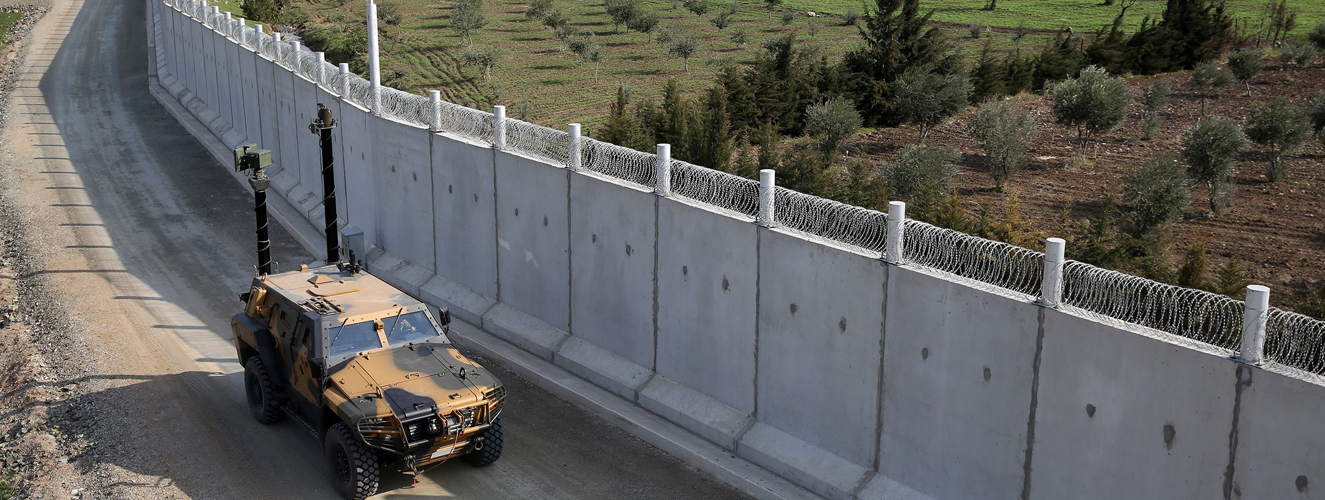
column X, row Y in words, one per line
column 148, row 241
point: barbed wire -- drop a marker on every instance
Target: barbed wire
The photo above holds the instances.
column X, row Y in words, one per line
column 988, row 261
column 717, row 188
column 1295, row 340
column 1196, row 314
column 1292, row 339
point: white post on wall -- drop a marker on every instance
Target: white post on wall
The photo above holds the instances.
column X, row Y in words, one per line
column 1051, row 288
column 1254, row 314
column 321, row 68
column 893, row 249
column 374, row 59
column 229, row 25
column 435, row 98
column 295, row 47
column 276, row 47
column 257, row 38
column 499, row 126
column 345, row 81
column 767, row 190
column 216, row 17
column 573, row 160
column 662, row 186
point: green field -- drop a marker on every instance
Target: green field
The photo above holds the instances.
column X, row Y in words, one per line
column 537, row 78
column 7, row 20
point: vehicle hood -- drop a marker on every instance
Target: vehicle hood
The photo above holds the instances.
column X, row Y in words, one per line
column 415, row 380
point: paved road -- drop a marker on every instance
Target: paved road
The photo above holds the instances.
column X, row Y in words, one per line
column 151, row 240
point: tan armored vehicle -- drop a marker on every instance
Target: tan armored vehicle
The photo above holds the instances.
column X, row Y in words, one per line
column 368, row 370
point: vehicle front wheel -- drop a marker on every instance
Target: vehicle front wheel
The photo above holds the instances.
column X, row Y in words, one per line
column 354, row 467
column 262, row 397
column 491, row 441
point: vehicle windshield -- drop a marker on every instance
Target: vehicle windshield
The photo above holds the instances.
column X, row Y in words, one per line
column 410, row 327
column 353, row 338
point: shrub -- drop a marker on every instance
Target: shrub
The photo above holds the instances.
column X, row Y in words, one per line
column 643, row 22
column 1156, row 194
column 1317, row 115
column 832, row 122
column 1230, row 280
column 788, row 17
column 1192, row 272
column 1281, row 126
column 266, row 11
column 664, row 35
column 921, row 176
column 621, row 11
column 1154, row 100
column 1245, row 65
column 851, row 18
column 1004, row 131
column 723, row 18
column 739, row 37
column 977, row 28
column 1094, row 102
column 537, row 9
column 388, row 13
column 773, row 4
column 1317, row 35
column 485, row 59
column 1210, row 148
column 925, row 98
column 698, row 7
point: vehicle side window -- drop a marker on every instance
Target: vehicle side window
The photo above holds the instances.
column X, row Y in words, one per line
column 306, row 337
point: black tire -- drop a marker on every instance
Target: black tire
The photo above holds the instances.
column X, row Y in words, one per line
column 354, row 467
column 492, row 444
column 263, row 400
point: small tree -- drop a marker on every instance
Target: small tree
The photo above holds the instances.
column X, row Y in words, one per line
column 1245, row 65
column 739, row 37
column 1156, row 194
column 594, row 54
column 832, row 122
column 643, row 22
column 698, row 7
column 683, row 46
column 1210, row 148
column 537, row 9
column 1317, row 115
column 1207, row 78
column 1282, row 127
column 621, row 11
column 926, row 98
column 851, row 17
column 775, row 4
column 1094, row 102
column 921, row 176
column 723, row 18
column 485, row 59
column 466, row 18
column 1004, row 131
column 1154, row 99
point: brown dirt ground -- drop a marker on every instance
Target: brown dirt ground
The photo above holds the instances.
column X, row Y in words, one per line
column 1275, row 230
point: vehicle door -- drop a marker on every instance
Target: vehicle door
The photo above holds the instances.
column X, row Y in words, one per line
column 282, row 327
column 302, row 377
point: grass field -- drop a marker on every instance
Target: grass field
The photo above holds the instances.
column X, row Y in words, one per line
column 540, row 80
column 7, row 20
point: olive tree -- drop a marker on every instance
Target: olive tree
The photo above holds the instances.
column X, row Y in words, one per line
column 1210, row 148
column 832, row 122
column 921, row 176
column 1154, row 100
column 1207, row 78
column 1317, row 114
column 1004, row 131
column 683, row 46
column 1094, row 103
column 1245, row 65
column 1156, row 194
column 1282, row 127
column 926, row 98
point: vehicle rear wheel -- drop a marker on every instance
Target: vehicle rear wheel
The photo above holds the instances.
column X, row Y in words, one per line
column 492, row 445
column 262, row 397
column 354, row 467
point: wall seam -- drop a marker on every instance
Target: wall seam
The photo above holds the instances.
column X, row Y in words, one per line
column 1035, row 402
column 759, row 234
column 883, row 337
column 657, row 232
column 1229, row 484
column 496, row 222
column 570, row 262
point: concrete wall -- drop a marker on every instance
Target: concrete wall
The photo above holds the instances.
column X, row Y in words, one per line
column 849, row 376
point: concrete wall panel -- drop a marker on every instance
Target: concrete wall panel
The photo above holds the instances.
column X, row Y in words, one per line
column 403, row 169
column 464, row 213
column 958, row 368
column 232, row 51
column 820, row 324
column 532, row 238
column 268, row 108
column 357, row 162
column 1281, row 449
column 224, row 76
column 1123, row 415
column 707, row 271
column 612, row 248
column 248, row 74
column 209, row 45
column 288, row 127
column 310, row 149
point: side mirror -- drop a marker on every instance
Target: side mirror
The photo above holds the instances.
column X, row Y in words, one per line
column 243, row 297
column 444, row 316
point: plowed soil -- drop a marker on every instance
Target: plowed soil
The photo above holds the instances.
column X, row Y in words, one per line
column 1275, row 230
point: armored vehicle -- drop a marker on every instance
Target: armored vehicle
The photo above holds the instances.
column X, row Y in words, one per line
column 368, row 370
